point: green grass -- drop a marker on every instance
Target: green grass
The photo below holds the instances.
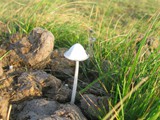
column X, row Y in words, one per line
column 117, row 24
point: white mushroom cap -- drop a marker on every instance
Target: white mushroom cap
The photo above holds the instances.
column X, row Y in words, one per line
column 76, row 53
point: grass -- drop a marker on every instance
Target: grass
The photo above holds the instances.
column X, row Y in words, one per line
column 117, row 25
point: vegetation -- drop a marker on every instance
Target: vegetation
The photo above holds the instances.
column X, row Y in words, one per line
column 131, row 77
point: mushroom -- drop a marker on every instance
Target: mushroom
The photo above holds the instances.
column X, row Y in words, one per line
column 76, row 53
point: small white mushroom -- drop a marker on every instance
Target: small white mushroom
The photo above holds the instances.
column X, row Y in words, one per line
column 76, row 53
column 10, row 67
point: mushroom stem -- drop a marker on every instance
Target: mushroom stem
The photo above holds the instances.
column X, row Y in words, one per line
column 75, row 83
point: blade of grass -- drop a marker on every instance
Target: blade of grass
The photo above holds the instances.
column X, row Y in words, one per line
column 5, row 55
column 125, row 98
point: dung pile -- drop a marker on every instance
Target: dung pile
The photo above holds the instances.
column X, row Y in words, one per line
column 36, row 81
column 34, row 93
